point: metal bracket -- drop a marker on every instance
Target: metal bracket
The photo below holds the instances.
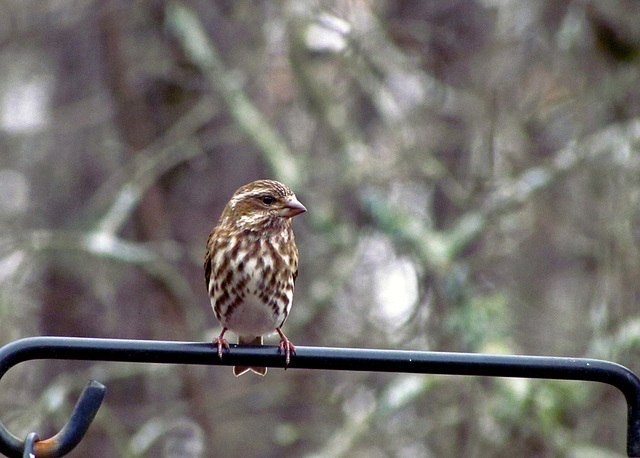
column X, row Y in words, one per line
column 151, row 351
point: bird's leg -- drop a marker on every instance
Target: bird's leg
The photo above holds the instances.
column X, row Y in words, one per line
column 220, row 341
column 286, row 346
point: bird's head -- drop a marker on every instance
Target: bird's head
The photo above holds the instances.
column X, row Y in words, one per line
column 261, row 205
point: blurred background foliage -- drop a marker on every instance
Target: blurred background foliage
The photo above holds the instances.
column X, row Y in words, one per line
column 471, row 170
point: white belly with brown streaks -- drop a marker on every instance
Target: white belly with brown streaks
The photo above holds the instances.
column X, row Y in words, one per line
column 265, row 301
column 252, row 317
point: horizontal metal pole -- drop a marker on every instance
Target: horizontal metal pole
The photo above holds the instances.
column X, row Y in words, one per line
column 473, row 364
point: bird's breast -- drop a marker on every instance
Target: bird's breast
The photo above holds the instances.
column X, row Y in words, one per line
column 251, row 286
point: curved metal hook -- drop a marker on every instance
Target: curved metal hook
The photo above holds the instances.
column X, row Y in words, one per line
column 29, row 443
column 69, row 436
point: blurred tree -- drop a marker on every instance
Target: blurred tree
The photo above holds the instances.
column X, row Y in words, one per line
column 471, row 171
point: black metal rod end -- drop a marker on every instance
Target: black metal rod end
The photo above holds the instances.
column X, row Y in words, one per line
column 29, row 443
column 72, row 433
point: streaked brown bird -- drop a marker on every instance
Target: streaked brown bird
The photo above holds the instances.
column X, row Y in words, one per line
column 251, row 266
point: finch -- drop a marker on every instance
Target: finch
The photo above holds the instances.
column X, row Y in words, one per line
column 251, row 266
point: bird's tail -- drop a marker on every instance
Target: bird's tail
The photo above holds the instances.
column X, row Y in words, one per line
column 249, row 340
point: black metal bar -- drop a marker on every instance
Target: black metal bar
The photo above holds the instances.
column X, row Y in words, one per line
column 148, row 351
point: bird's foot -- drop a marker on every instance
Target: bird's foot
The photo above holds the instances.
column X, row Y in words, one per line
column 220, row 342
column 286, row 346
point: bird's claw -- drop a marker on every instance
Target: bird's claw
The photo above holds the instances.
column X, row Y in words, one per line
column 287, row 347
column 221, row 342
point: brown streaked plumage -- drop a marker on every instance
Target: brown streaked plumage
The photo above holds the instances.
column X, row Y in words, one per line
column 251, row 265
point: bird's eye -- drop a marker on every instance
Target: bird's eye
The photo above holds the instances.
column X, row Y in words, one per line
column 268, row 200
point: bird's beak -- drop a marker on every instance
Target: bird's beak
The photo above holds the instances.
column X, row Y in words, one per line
column 292, row 208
